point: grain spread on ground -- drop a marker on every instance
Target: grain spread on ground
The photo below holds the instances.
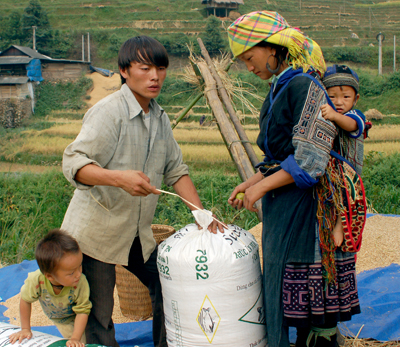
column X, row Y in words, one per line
column 380, row 248
column 102, row 86
column 380, row 242
column 38, row 318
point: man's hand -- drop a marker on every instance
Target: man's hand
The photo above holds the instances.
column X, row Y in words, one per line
column 20, row 336
column 215, row 226
column 328, row 112
column 136, row 183
column 74, row 343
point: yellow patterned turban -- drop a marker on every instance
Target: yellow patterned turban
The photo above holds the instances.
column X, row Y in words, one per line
column 252, row 28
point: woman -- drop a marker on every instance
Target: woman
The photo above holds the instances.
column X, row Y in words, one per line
column 296, row 142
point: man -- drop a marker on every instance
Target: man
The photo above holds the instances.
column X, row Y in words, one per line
column 117, row 162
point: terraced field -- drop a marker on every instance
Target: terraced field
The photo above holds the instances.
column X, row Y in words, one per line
column 331, row 23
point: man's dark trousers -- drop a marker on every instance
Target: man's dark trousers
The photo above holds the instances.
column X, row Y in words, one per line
column 101, row 278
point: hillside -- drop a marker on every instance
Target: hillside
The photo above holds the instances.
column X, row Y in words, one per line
column 329, row 22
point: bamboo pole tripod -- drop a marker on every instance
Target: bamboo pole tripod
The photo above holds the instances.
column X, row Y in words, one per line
column 232, row 131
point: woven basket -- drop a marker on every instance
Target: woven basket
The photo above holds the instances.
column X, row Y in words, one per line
column 134, row 298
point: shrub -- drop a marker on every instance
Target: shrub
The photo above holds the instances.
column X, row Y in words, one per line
column 60, row 95
column 177, row 44
column 212, row 37
column 381, row 176
column 360, row 55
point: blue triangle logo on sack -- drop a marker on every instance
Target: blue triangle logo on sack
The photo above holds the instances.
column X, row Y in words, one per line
column 256, row 315
column 208, row 319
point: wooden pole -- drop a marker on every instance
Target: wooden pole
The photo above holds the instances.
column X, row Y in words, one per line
column 83, row 48
column 34, row 37
column 198, row 97
column 370, row 27
column 380, row 54
column 232, row 140
column 394, row 53
column 228, row 105
column 88, row 46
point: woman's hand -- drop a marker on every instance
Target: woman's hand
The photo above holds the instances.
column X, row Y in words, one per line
column 251, row 195
column 233, row 200
column 254, row 188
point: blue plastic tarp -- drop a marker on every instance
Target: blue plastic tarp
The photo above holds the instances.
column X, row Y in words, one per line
column 34, row 70
column 136, row 334
column 12, row 278
column 379, row 294
column 104, row 72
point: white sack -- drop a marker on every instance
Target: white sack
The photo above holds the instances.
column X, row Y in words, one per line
column 212, row 288
column 38, row 338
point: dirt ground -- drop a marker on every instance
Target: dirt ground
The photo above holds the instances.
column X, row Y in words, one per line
column 102, row 86
column 380, row 242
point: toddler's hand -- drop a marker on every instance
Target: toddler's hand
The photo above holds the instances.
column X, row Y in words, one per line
column 74, row 343
column 20, row 336
column 328, row 112
column 338, row 234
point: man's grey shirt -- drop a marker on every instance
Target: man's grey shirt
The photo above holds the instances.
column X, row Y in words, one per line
column 105, row 220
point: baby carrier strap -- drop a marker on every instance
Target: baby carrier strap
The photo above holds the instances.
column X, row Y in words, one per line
column 351, row 188
column 272, row 98
column 368, row 126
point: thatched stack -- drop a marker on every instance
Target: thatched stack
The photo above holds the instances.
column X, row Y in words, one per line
column 373, row 114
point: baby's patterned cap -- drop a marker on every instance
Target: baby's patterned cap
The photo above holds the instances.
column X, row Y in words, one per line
column 340, row 75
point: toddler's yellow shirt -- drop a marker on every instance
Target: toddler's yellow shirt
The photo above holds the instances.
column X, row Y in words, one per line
column 61, row 308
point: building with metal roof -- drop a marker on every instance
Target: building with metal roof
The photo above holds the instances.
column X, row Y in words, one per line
column 21, row 68
column 15, row 59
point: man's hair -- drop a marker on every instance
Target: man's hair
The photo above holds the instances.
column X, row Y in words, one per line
column 142, row 49
column 52, row 248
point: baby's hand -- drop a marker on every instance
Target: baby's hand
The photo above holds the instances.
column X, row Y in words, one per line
column 20, row 336
column 328, row 112
column 338, row 234
column 74, row 343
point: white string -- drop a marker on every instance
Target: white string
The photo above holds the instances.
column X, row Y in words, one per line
column 90, row 191
column 163, row 191
column 197, row 208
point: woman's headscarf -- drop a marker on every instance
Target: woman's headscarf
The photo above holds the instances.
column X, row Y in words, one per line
column 252, row 28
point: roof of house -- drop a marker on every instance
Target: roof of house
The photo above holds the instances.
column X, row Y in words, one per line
column 27, row 53
column 13, row 80
column 11, row 60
